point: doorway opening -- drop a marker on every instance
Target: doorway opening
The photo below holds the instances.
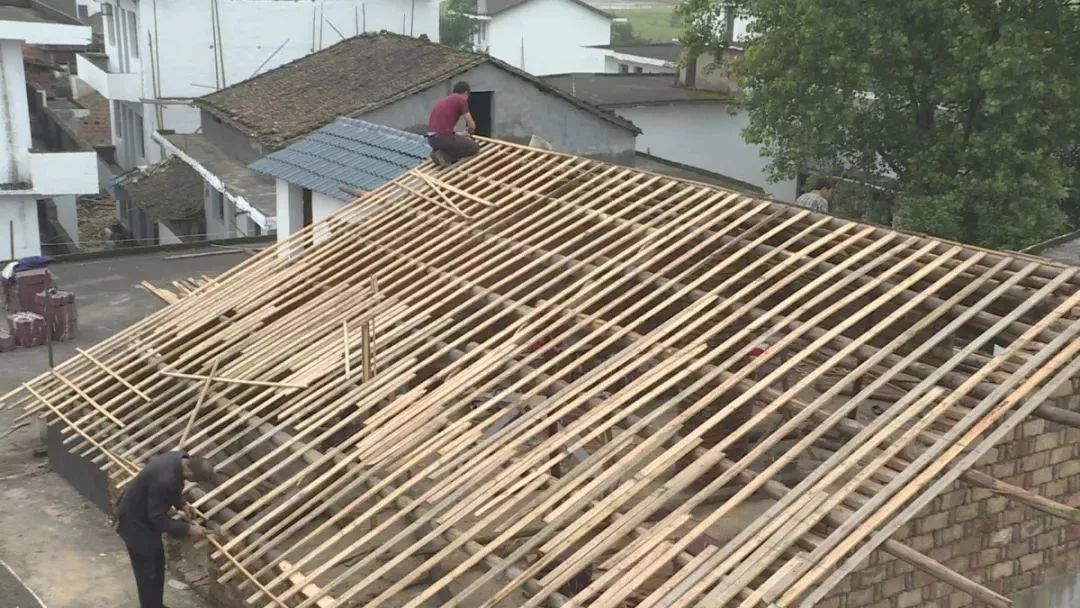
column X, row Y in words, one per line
column 481, row 108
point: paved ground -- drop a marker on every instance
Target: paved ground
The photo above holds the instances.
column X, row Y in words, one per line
column 56, row 542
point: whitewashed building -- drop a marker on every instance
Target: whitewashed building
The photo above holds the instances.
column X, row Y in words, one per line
column 161, row 54
column 29, row 175
column 543, row 36
column 688, row 118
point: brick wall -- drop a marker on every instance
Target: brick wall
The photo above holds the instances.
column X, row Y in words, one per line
column 988, row 538
column 95, row 129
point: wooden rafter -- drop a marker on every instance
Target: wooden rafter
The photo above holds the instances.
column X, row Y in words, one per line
column 565, row 385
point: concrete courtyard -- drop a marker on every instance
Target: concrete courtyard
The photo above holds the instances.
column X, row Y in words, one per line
column 52, row 540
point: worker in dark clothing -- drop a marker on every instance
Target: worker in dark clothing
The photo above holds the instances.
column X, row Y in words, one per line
column 145, row 511
column 448, row 147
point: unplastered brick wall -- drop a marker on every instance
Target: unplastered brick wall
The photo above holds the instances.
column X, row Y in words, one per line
column 985, row 536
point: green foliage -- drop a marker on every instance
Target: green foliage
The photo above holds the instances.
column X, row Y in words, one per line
column 455, row 28
column 656, row 24
column 968, row 107
column 622, row 32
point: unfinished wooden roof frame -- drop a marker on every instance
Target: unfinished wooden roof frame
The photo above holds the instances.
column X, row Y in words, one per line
column 536, row 379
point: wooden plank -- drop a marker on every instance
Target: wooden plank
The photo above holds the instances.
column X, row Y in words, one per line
column 234, row 380
column 198, row 404
column 97, row 406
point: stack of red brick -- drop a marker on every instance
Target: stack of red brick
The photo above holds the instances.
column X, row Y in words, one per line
column 25, row 303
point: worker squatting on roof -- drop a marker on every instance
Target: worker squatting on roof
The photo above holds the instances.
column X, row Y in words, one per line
column 447, row 146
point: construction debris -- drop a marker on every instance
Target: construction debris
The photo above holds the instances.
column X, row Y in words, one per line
column 582, row 370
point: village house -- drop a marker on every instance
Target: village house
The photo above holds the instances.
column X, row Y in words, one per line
column 40, row 173
column 402, row 78
column 688, row 118
column 160, row 55
column 543, row 36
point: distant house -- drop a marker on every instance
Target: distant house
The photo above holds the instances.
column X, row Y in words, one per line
column 164, row 204
column 694, row 127
column 316, row 175
column 386, row 79
column 647, row 58
column 543, row 36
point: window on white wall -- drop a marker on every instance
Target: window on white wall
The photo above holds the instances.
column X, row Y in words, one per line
column 83, row 11
column 110, row 23
column 140, row 145
column 116, row 119
column 133, row 33
column 624, row 69
column 218, row 200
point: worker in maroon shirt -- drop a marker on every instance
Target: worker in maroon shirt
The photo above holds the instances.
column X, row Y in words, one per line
column 448, row 147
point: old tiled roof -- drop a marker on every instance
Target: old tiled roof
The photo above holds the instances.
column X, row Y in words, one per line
column 169, row 190
column 351, row 78
column 347, row 153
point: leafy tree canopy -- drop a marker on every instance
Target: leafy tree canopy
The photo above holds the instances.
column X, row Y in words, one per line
column 622, row 32
column 967, row 110
column 455, row 28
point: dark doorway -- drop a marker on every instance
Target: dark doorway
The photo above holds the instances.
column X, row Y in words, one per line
column 480, row 106
column 308, row 215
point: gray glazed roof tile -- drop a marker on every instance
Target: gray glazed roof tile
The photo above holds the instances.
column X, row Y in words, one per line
column 347, row 153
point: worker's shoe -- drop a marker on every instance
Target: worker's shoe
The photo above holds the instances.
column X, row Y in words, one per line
column 441, row 158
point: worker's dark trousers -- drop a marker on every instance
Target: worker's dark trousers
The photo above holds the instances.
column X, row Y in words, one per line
column 149, row 577
column 454, row 146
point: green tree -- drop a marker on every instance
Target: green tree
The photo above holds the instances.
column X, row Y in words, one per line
column 456, row 29
column 622, row 32
column 968, row 108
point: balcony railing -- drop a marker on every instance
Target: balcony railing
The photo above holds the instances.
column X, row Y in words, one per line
column 94, row 70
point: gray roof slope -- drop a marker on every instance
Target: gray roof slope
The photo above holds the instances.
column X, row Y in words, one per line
column 347, row 153
column 351, row 78
column 169, row 190
column 611, row 90
column 256, row 188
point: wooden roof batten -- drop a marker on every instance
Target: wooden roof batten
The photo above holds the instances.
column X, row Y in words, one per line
column 561, row 385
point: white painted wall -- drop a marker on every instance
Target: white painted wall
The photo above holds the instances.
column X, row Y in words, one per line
column 68, row 215
column 14, row 115
column 549, row 37
column 22, row 210
column 166, row 236
column 613, row 63
column 256, row 35
column 290, row 209
column 322, row 206
column 92, row 6
column 45, row 33
column 64, row 173
column 706, row 136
